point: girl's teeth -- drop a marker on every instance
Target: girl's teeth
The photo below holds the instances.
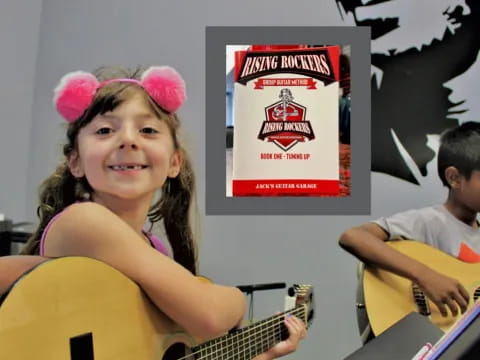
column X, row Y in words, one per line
column 121, row 167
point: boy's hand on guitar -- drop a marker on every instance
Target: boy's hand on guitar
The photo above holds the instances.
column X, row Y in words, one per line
column 297, row 331
column 444, row 291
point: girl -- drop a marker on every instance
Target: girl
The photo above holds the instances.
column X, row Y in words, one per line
column 122, row 147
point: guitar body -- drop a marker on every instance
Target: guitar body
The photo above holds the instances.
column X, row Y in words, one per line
column 65, row 298
column 389, row 297
column 78, row 308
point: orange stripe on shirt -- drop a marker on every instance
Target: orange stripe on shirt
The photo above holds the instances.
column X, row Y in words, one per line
column 467, row 254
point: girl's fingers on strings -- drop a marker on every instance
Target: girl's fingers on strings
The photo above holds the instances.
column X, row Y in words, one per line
column 295, row 326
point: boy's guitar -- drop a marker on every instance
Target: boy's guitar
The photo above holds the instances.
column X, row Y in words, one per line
column 389, row 297
column 79, row 308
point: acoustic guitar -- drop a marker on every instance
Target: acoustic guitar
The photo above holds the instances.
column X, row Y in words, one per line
column 389, row 297
column 82, row 309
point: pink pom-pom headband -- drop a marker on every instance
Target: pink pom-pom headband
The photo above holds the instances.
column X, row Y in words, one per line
column 76, row 90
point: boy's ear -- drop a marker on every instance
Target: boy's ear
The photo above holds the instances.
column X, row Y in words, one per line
column 175, row 164
column 73, row 162
column 453, row 176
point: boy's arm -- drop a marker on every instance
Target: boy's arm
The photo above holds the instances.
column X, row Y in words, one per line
column 367, row 242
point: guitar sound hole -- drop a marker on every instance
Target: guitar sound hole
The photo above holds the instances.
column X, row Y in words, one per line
column 178, row 351
column 81, row 347
column 420, row 300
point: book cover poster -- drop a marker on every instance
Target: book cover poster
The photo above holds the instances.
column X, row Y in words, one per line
column 286, row 138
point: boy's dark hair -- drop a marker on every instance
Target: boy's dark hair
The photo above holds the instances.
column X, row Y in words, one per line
column 61, row 189
column 460, row 147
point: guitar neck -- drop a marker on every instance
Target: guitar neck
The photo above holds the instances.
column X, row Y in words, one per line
column 250, row 341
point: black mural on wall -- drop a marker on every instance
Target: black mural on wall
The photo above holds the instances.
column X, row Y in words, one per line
column 409, row 97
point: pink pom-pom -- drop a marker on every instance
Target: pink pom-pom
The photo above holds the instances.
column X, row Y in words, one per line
column 165, row 86
column 74, row 94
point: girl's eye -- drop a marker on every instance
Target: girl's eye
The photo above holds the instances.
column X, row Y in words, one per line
column 149, row 130
column 103, row 131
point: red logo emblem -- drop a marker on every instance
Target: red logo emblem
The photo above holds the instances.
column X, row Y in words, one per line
column 286, row 125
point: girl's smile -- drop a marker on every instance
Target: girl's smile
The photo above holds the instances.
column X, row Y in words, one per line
column 128, row 169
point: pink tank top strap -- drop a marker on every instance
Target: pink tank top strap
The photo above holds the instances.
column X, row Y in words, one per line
column 157, row 243
column 44, row 234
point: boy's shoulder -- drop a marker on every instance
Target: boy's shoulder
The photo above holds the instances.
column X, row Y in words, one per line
column 412, row 222
column 427, row 212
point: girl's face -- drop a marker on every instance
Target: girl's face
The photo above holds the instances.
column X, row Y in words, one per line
column 126, row 153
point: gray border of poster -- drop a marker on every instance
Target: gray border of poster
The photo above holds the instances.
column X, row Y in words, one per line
column 217, row 203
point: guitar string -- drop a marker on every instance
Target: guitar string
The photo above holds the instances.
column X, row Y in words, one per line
column 207, row 353
column 252, row 331
column 269, row 335
column 248, row 353
column 264, row 344
column 298, row 310
column 273, row 336
column 237, row 339
column 229, row 351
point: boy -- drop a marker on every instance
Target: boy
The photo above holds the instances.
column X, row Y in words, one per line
column 451, row 227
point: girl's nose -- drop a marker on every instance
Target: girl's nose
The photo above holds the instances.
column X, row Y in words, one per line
column 128, row 139
column 132, row 145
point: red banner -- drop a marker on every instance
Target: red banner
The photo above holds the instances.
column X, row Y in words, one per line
column 285, row 187
column 308, row 82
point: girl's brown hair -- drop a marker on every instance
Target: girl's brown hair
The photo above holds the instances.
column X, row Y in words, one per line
column 62, row 189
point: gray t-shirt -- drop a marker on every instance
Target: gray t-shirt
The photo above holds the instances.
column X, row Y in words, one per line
column 437, row 227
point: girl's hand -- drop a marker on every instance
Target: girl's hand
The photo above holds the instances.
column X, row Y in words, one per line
column 297, row 331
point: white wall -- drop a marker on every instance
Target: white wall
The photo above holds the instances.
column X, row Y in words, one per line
column 19, row 33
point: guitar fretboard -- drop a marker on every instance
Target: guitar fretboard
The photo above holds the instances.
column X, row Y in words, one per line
column 248, row 342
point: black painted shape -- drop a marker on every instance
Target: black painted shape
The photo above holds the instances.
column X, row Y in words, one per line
column 81, row 347
column 412, row 99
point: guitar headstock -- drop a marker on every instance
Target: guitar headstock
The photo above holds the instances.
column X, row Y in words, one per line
column 304, row 298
